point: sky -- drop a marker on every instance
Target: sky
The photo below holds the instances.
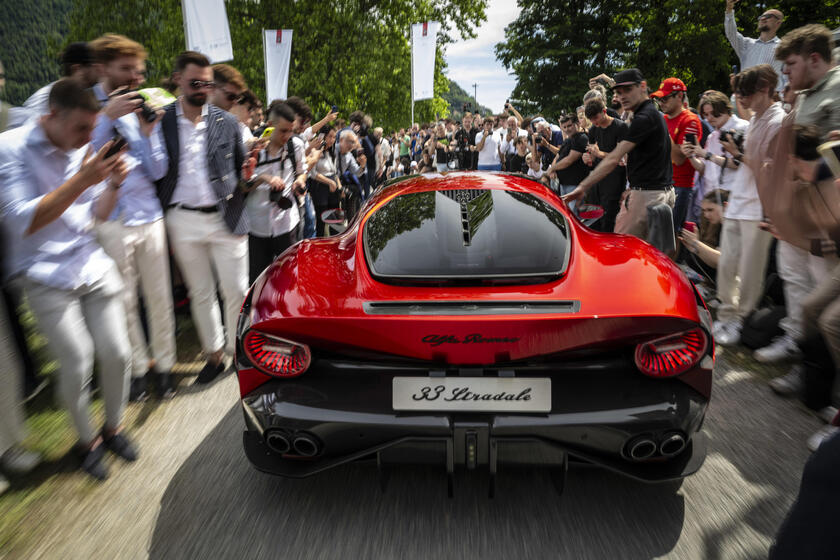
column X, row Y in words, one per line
column 474, row 62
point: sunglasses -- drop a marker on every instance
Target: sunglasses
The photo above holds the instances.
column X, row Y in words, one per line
column 201, row 84
column 232, row 96
column 766, row 16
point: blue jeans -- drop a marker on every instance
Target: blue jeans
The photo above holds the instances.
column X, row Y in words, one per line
column 684, row 201
column 308, row 218
column 494, row 167
column 566, row 189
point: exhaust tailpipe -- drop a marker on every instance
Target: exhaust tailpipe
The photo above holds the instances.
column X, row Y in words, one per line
column 305, row 445
column 641, row 448
column 277, row 441
column 672, row 444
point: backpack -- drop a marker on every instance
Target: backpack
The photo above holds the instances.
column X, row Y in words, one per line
column 761, row 326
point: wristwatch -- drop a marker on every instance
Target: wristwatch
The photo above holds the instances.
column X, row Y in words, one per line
column 707, row 156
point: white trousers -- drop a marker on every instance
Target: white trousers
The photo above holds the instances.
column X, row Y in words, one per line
column 801, row 273
column 11, row 408
column 206, row 252
column 141, row 253
column 744, row 250
column 78, row 324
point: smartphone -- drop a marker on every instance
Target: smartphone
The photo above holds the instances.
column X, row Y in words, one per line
column 267, row 132
column 690, row 226
column 334, row 109
column 118, row 143
column 691, row 138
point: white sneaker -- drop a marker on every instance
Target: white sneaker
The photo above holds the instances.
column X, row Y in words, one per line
column 789, row 383
column 4, row 484
column 18, row 460
column 827, row 414
column 820, row 436
column 781, row 349
column 729, row 332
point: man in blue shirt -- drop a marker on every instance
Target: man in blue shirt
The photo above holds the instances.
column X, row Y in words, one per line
column 53, row 186
column 134, row 234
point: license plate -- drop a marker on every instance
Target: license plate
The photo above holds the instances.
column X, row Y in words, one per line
column 481, row 394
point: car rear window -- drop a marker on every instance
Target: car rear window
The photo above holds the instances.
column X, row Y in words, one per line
column 466, row 233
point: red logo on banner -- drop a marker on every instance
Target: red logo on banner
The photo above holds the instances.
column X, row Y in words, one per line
column 279, row 35
column 425, row 28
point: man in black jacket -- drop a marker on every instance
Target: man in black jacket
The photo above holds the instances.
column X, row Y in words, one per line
column 204, row 209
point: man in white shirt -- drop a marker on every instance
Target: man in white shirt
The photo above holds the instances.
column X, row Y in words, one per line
column 273, row 212
column 744, row 246
column 53, row 186
column 204, row 207
column 487, row 144
column 752, row 52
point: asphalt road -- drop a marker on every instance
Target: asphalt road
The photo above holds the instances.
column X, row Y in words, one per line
column 193, row 494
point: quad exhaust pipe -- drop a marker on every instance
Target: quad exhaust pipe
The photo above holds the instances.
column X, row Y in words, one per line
column 672, row 444
column 305, row 445
column 277, row 441
column 284, row 442
column 641, row 448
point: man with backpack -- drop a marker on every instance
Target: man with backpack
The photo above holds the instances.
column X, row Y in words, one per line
column 271, row 204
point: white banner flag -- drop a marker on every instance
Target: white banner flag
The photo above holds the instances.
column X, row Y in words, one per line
column 206, row 28
column 423, row 44
column 277, row 44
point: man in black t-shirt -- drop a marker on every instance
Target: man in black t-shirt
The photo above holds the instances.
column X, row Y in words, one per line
column 604, row 135
column 648, row 150
column 568, row 166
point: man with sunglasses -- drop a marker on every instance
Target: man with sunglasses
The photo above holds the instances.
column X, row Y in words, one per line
column 204, row 208
column 752, row 52
column 230, row 85
column 683, row 127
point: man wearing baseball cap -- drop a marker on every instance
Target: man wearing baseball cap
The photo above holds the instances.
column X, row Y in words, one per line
column 648, row 150
column 683, row 127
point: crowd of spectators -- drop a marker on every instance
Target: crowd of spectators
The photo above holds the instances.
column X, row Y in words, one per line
column 104, row 197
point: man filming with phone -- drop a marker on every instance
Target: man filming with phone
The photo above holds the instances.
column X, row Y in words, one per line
column 683, row 127
column 54, row 183
column 134, row 234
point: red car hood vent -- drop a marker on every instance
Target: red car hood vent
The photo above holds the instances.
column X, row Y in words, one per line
column 466, row 236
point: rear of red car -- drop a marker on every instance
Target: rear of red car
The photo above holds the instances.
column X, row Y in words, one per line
column 471, row 320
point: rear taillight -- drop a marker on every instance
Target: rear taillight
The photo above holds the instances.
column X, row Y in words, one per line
column 276, row 356
column 672, row 355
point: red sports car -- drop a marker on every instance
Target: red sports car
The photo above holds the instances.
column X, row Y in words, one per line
column 471, row 320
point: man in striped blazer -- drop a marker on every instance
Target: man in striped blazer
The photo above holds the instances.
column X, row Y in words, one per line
column 204, row 210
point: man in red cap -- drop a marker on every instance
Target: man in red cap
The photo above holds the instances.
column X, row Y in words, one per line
column 683, row 127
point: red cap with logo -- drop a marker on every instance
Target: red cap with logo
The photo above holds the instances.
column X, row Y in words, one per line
column 669, row 86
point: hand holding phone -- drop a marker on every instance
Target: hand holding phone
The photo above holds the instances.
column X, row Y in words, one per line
column 691, row 138
column 118, row 143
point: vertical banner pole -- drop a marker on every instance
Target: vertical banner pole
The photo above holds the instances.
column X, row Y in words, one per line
column 411, row 41
column 265, row 67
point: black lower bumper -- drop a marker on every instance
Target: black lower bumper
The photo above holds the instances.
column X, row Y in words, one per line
column 593, row 419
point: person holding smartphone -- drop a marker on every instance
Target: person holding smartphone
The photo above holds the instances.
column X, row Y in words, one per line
column 683, row 127
column 54, row 185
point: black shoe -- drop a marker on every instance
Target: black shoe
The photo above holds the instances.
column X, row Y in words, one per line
column 92, row 462
column 164, row 386
column 119, row 445
column 210, row 372
column 137, row 392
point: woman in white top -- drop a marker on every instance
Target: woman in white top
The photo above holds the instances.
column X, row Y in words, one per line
column 324, row 183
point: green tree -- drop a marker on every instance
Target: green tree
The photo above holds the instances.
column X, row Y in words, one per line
column 29, row 37
column 555, row 46
column 351, row 53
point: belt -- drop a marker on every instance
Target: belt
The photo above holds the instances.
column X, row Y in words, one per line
column 668, row 188
column 204, row 209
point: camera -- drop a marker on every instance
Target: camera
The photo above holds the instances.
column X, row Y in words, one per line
column 736, row 137
column 146, row 113
column 278, row 198
column 357, row 152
